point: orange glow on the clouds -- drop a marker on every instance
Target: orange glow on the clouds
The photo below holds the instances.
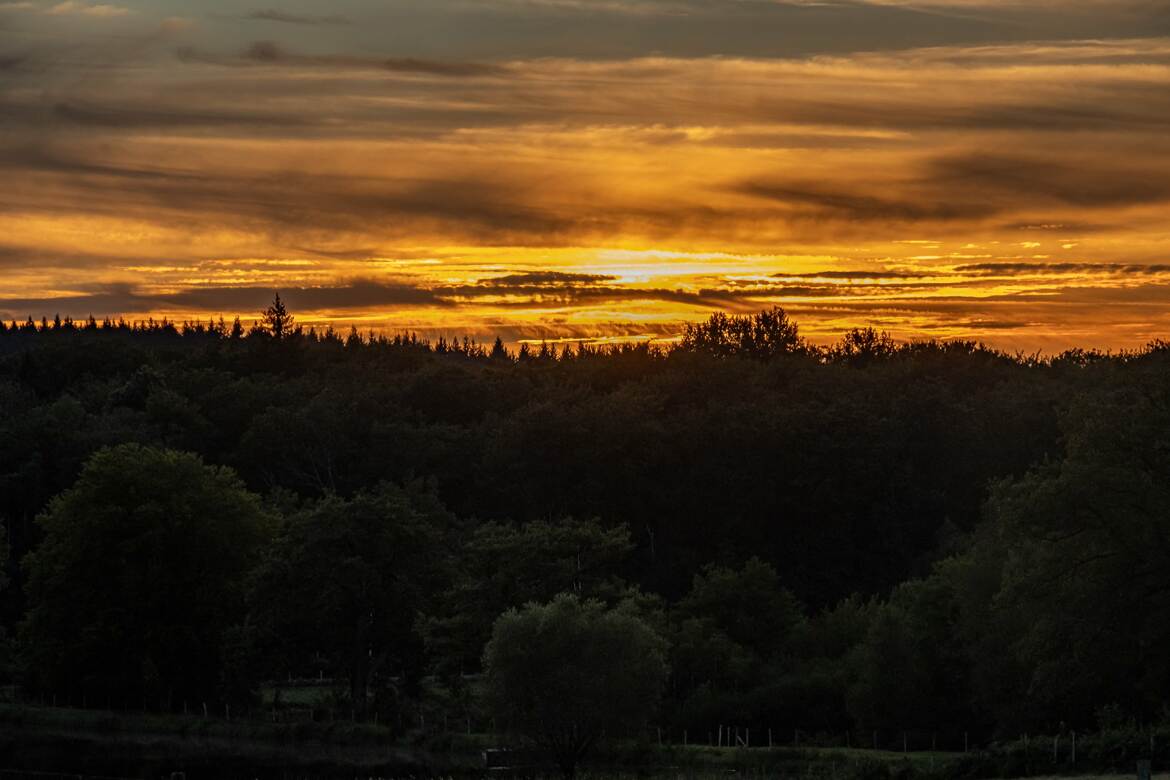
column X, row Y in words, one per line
column 1015, row 194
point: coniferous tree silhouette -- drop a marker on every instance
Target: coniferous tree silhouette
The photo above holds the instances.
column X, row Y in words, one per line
column 277, row 320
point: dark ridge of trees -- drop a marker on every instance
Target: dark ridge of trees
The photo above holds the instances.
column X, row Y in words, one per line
column 870, row 535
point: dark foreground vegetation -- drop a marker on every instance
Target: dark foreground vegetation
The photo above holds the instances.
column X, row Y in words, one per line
column 864, row 545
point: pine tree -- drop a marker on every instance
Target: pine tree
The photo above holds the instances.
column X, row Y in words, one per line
column 499, row 351
column 277, row 321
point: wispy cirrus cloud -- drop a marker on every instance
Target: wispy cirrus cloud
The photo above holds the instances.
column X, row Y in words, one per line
column 75, row 8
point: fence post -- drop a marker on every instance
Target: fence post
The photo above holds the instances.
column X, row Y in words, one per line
column 1074, row 748
column 964, row 742
column 903, row 741
column 1055, row 748
column 770, row 740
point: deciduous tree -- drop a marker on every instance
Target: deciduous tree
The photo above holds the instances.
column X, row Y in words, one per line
column 140, row 574
column 562, row 674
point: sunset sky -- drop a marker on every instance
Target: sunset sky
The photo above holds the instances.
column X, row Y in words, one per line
column 594, row 169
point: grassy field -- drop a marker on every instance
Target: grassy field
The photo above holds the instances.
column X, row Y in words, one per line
column 132, row 745
column 136, row 744
column 1164, row 776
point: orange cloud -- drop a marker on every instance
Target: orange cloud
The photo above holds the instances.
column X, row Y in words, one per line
column 1011, row 193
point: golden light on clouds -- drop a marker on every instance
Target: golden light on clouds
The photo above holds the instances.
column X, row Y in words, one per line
column 1011, row 192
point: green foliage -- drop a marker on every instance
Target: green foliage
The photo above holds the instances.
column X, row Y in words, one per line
column 564, row 673
column 140, row 574
column 346, row 581
column 735, row 637
column 504, row 565
column 748, row 605
column 1088, row 564
column 910, row 671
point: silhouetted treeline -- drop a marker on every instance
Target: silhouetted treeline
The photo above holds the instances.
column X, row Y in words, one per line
column 869, row 535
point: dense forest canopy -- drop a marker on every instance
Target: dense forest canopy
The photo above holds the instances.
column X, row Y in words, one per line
column 860, row 536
